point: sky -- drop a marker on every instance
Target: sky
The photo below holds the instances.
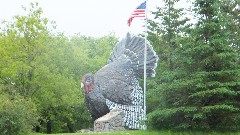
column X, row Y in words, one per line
column 94, row 18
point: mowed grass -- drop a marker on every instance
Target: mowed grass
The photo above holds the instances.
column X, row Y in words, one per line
column 141, row 132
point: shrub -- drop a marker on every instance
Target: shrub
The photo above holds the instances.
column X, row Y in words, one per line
column 17, row 116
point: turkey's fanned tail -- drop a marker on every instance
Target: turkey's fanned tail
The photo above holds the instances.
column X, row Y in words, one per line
column 132, row 47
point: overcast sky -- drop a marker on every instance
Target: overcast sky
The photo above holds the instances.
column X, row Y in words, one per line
column 94, row 18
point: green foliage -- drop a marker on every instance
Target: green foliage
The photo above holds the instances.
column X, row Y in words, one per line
column 17, row 116
column 201, row 90
column 59, row 98
column 196, row 87
column 46, row 68
column 165, row 34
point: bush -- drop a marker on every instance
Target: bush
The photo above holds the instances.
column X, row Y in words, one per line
column 211, row 118
column 17, row 116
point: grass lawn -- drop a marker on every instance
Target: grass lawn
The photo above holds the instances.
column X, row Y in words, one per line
column 140, row 132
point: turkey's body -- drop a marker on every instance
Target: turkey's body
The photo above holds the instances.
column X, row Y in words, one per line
column 96, row 104
column 116, row 84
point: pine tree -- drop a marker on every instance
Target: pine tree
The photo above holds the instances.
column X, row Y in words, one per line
column 164, row 33
column 204, row 91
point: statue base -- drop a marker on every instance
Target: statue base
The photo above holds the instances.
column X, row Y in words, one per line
column 112, row 121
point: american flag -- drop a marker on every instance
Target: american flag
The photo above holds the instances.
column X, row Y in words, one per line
column 138, row 12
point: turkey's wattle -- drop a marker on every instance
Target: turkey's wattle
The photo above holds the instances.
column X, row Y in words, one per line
column 87, row 83
column 116, row 84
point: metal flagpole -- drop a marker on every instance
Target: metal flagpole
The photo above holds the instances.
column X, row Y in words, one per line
column 145, row 61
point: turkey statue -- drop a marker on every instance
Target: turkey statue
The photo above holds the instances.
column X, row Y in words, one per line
column 116, row 85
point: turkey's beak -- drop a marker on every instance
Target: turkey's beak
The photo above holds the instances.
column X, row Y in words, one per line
column 82, row 85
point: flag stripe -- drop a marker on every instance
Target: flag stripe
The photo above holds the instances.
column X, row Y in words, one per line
column 137, row 16
column 138, row 12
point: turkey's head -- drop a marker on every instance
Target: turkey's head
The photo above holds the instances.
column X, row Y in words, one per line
column 87, row 83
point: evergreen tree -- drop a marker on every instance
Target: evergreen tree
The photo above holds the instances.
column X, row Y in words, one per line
column 164, row 33
column 205, row 92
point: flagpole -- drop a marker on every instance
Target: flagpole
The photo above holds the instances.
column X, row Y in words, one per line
column 145, row 61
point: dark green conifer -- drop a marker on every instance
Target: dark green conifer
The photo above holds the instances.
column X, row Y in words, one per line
column 203, row 91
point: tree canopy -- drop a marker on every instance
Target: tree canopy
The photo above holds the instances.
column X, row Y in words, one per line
column 199, row 88
column 45, row 68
